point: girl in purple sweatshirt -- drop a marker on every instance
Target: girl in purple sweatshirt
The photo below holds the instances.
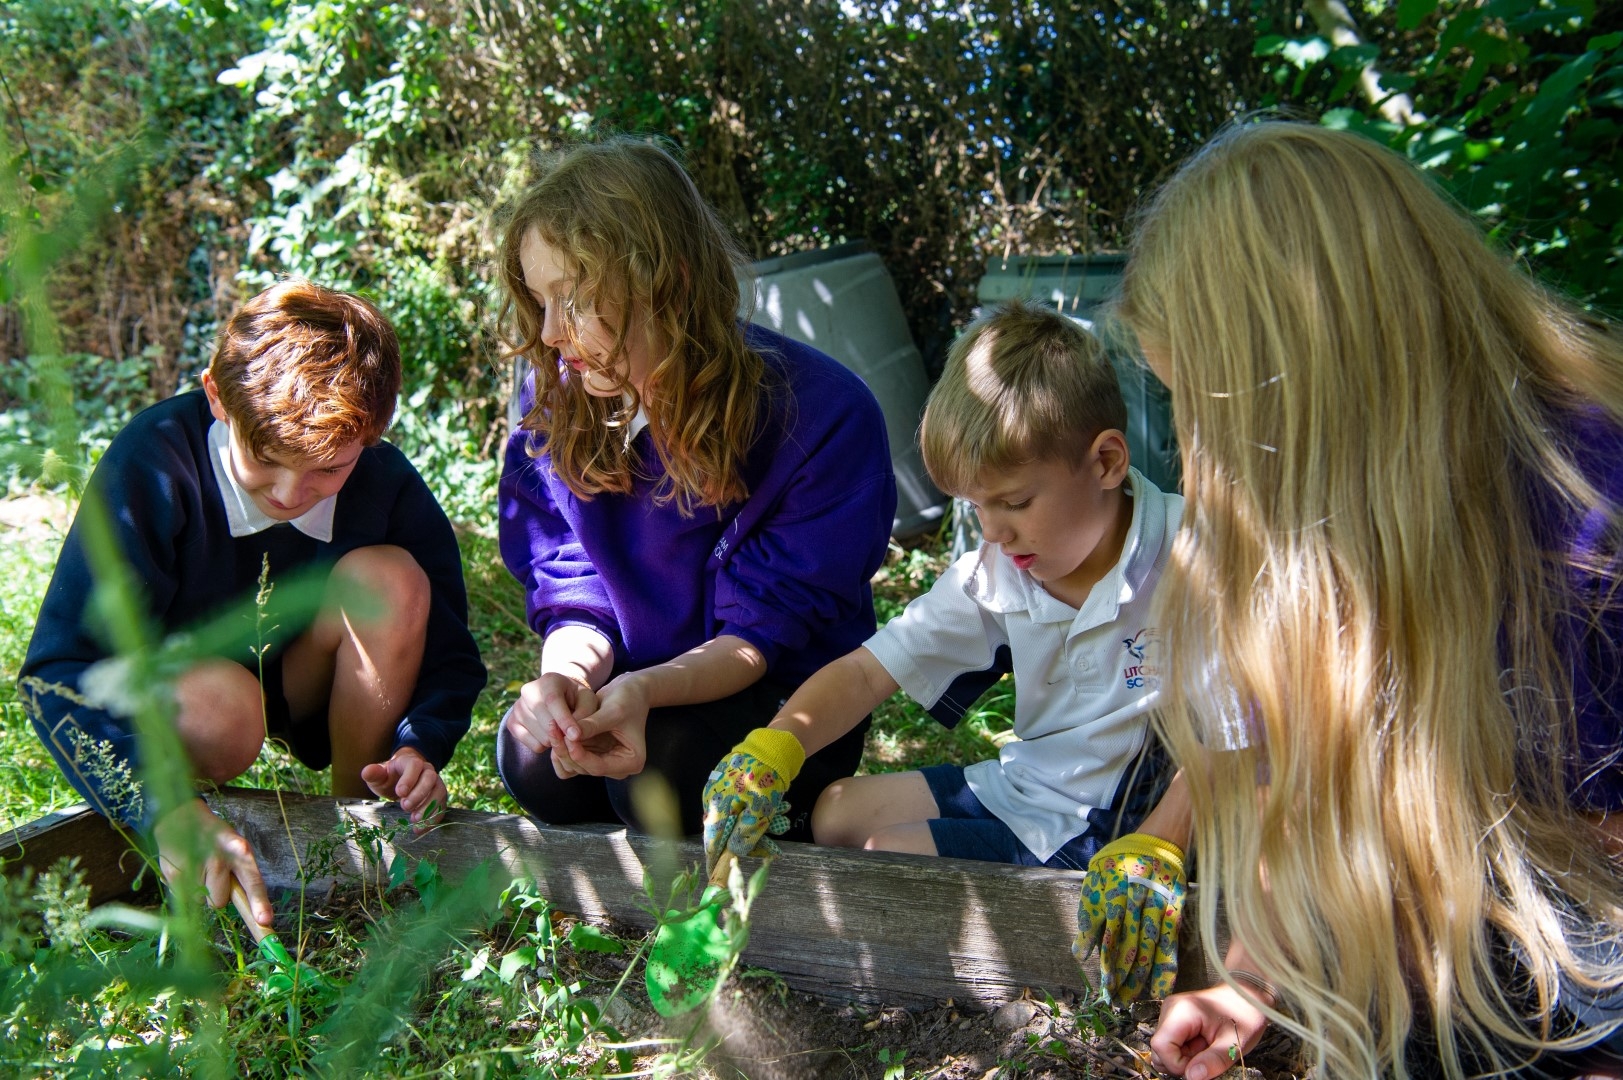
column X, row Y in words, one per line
column 693, row 506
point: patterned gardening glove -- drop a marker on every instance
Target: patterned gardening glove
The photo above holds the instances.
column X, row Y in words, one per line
column 743, row 800
column 1132, row 902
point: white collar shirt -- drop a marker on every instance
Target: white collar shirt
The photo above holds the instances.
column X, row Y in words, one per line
column 242, row 515
column 1085, row 679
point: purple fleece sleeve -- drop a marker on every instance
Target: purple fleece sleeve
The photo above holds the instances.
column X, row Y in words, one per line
column 561, row 586
column 805, row 566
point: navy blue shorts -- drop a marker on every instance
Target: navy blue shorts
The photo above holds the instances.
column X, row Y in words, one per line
column 307, row 738
column 968, row 830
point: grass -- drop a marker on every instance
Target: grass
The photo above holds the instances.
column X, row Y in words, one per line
column 32, row 783
column 903, row 735
column 426, row 980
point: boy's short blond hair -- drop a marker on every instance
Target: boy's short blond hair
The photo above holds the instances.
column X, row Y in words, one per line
column 1023, row 383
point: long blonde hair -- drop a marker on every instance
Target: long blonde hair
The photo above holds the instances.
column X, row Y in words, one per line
column 648, row 250
column 1364, row 605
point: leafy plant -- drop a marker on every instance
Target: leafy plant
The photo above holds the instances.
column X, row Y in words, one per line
column 1517, row 110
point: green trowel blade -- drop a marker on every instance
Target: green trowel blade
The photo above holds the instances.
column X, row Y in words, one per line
column 686, row 959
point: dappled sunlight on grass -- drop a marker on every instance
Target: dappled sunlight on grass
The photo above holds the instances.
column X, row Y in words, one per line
column 903, row 736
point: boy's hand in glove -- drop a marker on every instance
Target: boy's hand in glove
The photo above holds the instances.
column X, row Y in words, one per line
column 743, row 800
column 1132, row 903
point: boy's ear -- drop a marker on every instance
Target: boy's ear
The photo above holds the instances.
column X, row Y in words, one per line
column 213, row 392
column 1109, row 449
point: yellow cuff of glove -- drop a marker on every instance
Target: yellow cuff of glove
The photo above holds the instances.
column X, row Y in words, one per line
column 1142, row 844
column 775, row 748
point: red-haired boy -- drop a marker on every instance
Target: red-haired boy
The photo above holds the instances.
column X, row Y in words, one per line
column 276, row 461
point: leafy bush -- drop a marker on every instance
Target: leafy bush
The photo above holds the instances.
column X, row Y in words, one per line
column 365, row 144
column 1517, row 110
column 103, row 396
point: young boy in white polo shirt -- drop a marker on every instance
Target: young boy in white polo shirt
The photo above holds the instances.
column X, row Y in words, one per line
column 1026, row 423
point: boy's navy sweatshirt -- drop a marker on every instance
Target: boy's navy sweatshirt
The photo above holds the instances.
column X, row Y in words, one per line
column 786, row 569
column 158, row 484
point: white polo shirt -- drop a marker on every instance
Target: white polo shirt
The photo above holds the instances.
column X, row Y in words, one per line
column 1085, row 680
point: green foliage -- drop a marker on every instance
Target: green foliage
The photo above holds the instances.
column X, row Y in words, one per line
column 364, row 145
column 344, row 93
column 118, row 98
column 92, row 992
column 59, row 413
column 58, row 963
column 1518, row 111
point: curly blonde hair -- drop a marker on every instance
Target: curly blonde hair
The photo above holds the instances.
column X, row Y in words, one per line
column 1371, row 405
column 652, row 254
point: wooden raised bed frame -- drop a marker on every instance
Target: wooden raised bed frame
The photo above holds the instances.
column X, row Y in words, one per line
column 875, row 927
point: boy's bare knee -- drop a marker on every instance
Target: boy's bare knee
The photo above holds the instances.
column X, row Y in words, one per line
column 827, row 823
column 220, row 719
column 913, row 837
column 393, row 579
column 881, row 840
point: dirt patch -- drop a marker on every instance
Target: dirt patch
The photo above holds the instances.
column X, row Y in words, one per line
column 769, row 1033
column 758, row 1028
column 33, row 519
column 763, row 1030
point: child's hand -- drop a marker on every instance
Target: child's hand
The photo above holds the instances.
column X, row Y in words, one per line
column 411, row 779
column 1203, row 1034
column 548, row 709
column 192, row 829
column 1130, row 910
column 743, row 800
column 613, row 741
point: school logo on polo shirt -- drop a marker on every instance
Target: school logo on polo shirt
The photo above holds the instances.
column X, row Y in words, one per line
column 1142, row 672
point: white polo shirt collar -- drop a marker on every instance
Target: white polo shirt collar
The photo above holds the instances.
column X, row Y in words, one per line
column 242, row 515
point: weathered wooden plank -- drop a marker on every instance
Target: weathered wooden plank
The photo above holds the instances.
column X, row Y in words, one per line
column 109, row 863
column 867, row 926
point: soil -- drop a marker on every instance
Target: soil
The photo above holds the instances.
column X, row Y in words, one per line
column 776, row 1035
column 768, row 1032
column 763, row 1030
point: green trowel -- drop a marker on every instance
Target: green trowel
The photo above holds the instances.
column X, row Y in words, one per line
column 690, row 949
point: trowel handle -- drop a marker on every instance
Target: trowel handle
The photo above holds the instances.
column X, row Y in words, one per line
column 239, row 898
column 724, row 867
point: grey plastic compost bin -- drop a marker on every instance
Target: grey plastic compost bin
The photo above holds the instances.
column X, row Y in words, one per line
column 842, row 301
